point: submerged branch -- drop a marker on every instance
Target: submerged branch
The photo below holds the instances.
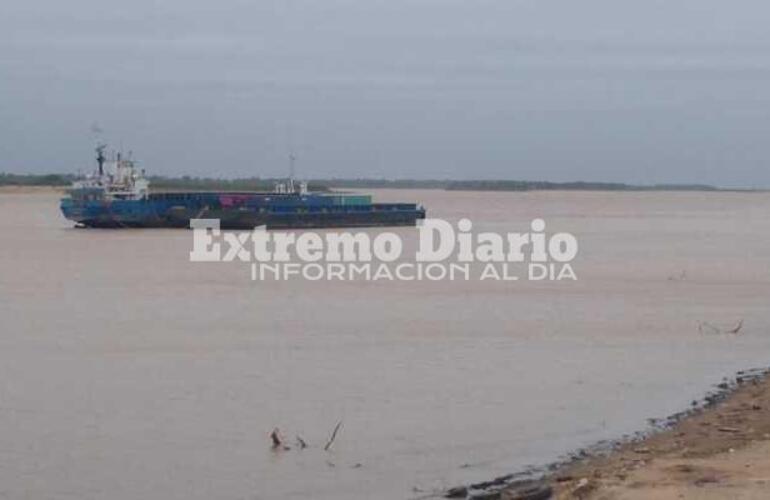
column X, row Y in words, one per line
column 334, row 435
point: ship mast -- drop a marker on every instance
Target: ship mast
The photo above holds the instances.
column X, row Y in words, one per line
column 100, row 159
column 292, row 161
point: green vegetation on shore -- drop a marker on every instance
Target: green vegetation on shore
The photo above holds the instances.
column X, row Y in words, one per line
column 570, row 186
column 188, row 183
column 386, row 183
column 35, row 180
column 510, row 185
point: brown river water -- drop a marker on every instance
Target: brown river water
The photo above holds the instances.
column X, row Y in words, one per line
column 128, row 372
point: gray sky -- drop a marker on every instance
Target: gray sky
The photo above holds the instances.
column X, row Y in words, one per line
column 617, row 90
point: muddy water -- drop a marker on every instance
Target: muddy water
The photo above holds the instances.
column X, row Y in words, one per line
column 128, row 372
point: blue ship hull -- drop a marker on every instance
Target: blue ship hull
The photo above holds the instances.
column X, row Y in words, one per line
column 240, row 211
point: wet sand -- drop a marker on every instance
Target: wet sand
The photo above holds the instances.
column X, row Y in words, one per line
column 718, row 448
column 722, row 451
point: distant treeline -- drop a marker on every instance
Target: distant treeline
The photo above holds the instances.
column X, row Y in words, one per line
column 509, row 185
column 386, row 183
column 35, row 180
column 188, row 183
column 570, row 186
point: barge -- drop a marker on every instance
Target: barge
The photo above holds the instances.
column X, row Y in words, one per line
column 117, row 195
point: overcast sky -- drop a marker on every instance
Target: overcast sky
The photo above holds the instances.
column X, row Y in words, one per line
column 641, row 91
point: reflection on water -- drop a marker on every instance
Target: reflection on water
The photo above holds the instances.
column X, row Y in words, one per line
column 129, row 372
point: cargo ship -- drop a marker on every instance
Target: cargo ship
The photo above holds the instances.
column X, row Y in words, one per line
column 117, row 195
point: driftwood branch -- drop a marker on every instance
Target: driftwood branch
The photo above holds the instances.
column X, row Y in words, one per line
column 278, row 442
column 678, row 277
column 276, row 438
column 737, row 327
column 334, row 436
column 706, row 327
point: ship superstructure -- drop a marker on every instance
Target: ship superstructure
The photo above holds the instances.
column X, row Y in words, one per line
column 118, row 179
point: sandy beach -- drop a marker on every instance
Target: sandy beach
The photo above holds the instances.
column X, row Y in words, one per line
column 718, row 449
column 718, row 452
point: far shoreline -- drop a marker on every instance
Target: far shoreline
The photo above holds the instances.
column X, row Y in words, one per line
column 255, row 183
column 17, row 189
column 33, row 189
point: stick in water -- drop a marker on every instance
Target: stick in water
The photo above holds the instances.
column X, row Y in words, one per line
column 276, row 438
column 737, row 327
column 334, row 435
